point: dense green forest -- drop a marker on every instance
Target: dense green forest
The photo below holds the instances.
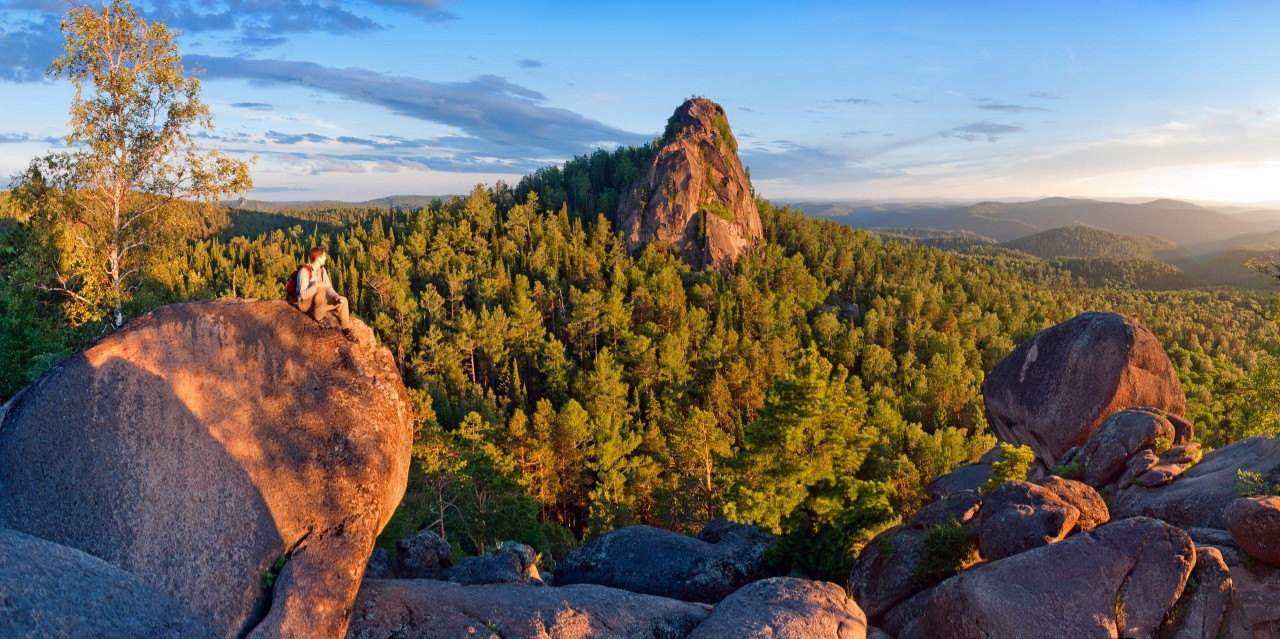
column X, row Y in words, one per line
column 563, row 387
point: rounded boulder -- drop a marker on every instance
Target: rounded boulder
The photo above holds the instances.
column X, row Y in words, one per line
column 1018, row 516
column 1056, row 388
column 1254, row 522
column 785, row 608
column 211, row 448
column 651, row 561
column 48, row 590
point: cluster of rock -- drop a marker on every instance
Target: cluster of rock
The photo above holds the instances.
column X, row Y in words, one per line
column 633, row 582
column 1123, row 529
column 222, row 469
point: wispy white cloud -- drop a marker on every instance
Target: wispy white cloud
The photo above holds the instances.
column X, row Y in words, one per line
column 991, row 104
column 866, row 101
column 500, row 117
column 985, row 130
column 30, row 38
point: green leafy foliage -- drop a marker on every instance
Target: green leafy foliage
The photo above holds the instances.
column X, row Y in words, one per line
column 1252, row 484
column 1160, row 445
column 120, row 199
column 1067, row 471
column 269, row 577
column 721, row 124
column 720, row 210
column 945, row 550
column 1013, row 465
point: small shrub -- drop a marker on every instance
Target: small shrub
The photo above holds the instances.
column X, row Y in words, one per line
column 1252, row 484
column 269, row 577
column 722, row 127
column 1160, row 445
column 946, row 549
column 885, row 546
column 720, row 210
column 1014, row 463
column 669, row 133
column 1068, row 471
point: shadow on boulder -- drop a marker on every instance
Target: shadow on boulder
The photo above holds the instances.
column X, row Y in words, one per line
column 201, row 443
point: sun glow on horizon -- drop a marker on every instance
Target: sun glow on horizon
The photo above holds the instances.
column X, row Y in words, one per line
column 1244, row 183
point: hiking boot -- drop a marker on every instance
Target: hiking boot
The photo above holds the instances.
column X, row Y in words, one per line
column 351, row 337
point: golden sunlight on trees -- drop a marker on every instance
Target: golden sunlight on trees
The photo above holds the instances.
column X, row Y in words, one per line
column 120, row 196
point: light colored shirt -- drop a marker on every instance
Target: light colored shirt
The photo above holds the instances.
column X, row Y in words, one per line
column 310, row 283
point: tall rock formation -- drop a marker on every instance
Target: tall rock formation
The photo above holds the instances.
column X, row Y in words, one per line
column 694, row 195
column 231, row 454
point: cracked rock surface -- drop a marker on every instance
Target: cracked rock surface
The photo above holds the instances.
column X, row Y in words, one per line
column 1117, row 580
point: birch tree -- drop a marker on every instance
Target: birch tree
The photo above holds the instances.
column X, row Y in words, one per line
column 123, row 191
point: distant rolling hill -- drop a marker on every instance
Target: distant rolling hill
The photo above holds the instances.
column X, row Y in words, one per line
column 1183, row 223
column 389, row 202
column 1158, row 244
column 1092, row 242
column 1225, row 262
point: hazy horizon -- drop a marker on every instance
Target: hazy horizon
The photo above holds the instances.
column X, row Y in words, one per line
column 830, row 102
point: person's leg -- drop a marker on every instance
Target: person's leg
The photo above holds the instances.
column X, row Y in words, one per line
column 305, row 305
column 320, row 307
column 344, row 314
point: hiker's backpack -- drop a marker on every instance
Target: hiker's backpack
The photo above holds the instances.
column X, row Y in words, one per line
column 291, row 284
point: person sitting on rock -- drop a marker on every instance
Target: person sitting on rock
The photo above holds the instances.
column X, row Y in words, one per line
column 316, row 296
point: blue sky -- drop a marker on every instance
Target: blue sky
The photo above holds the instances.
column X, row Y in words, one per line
column 830, row 100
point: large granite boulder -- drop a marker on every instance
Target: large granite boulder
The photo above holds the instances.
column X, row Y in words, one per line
column 1254, row 522
column 785, row 608
column 429, row 609
column 1018, row 516
column 380, row 565
column 1117, row 580
column 201, row 444
column 1199, row 498
column 659, row 562
column 1056, row 388
column 49, row 591
column 693, row 194
column 422, row 556
column 512, row 563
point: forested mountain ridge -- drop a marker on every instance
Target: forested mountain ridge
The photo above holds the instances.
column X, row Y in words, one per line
column 565, row 387
column 1087, row 241
column 390, row 202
